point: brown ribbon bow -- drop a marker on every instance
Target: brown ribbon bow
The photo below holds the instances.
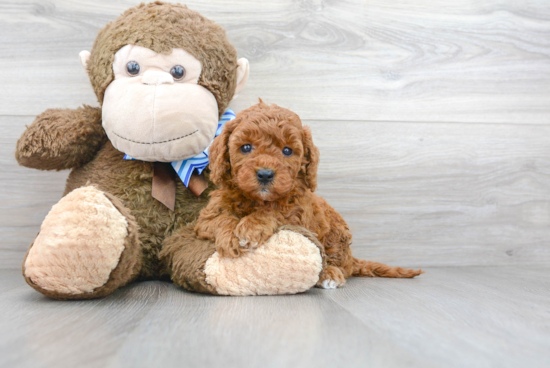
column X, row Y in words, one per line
column 164, row 184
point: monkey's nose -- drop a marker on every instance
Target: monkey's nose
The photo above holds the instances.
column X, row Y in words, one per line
column 265, row 176
column 156, row 77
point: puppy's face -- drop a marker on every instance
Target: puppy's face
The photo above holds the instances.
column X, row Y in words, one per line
column 266, row 157
column 265, row 153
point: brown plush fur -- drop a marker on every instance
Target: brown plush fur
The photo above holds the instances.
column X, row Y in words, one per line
column 60, row 139
column 131, row 181
column 74, row 139
column 185, row 256
column 63, row 141
column 162, row 27
column 242, row 214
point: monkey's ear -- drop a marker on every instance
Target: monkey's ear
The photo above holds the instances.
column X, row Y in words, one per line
column 218, row 154
column 84, row 56
column 243, row 70
column 308, row 172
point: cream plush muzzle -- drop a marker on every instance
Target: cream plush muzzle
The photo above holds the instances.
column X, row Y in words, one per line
column 153, row 117
column 172, row 121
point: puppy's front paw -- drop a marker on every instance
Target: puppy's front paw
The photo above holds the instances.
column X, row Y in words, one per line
column 251, row 235
column 247, row 244
column 227, row 245
column 329, row 284
column 331, row 278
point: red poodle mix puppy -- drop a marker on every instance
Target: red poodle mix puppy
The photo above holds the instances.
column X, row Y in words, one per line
column 265, row 165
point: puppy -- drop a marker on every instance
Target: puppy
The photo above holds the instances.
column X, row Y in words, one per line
column 265, row 166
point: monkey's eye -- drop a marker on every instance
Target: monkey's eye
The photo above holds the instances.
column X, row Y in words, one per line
column 178, row 72
column 287, row 151
column 246, row 148
column 133, row 68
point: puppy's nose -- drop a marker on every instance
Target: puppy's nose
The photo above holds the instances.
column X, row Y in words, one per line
column 265, row 176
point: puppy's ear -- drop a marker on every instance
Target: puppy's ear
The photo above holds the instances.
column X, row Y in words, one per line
column 308, row 172
column 218, row 154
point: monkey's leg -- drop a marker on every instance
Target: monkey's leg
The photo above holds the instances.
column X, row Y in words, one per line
column 289, row 262
column 87, row 247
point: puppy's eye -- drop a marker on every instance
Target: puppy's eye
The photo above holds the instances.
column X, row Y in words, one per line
column 178, row 72
column 133, row 68
column 287, row 151
column 246, row 148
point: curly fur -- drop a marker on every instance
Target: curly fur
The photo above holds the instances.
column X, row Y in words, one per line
column 162, row 27
column 243, row 213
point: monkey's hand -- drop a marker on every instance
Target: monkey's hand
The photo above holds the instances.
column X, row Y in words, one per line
column 61, row 139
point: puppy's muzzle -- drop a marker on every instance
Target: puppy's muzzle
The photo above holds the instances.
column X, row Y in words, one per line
column 265, row 176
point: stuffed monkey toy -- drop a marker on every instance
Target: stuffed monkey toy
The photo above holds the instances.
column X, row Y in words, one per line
column 164, row 76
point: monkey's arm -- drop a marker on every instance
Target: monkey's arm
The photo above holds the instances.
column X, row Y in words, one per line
column 61, row 139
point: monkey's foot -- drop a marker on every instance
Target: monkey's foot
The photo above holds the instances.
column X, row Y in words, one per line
column 287, row 263
column 87, row 247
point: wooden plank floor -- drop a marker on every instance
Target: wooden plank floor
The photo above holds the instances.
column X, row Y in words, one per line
column 449, row 317
column 482, row 61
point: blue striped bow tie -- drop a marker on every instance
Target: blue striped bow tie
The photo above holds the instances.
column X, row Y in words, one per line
column 185, row 168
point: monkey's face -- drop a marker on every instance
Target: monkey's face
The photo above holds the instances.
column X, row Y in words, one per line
column 154, row 110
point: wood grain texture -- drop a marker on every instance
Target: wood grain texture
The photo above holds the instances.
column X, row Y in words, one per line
column 472, row 61
column 452, row 317
column 463, row 194
column 414, row 194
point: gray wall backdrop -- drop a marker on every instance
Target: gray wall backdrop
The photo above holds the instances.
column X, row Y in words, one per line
column 433, row 120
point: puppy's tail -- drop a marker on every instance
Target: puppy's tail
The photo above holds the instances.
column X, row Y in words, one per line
column 362, row 268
